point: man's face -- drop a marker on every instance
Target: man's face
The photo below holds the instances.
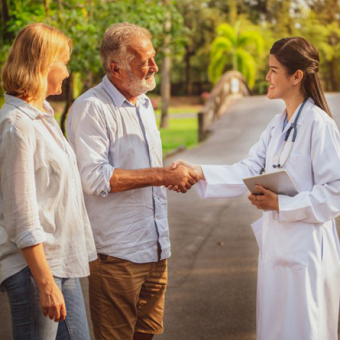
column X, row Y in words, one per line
column 139, row 78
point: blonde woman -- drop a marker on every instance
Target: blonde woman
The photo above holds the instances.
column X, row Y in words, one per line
column 45, row 236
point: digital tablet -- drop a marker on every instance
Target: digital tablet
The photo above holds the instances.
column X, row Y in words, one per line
column 278, row 182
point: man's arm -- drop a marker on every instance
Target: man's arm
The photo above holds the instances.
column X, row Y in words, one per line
column 183, row 177
column 87, row 133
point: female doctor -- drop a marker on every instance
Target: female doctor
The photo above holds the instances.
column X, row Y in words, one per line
column 299, row 265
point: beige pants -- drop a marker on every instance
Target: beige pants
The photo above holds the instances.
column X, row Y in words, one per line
column 126, row 297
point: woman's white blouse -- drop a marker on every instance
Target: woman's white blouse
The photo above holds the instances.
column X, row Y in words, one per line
column 41, row 199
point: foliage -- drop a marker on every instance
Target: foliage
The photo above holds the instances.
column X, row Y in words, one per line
column 236, row 48
column 324, row 34
column 85, row 22
column 195, row 40
column 200, row 22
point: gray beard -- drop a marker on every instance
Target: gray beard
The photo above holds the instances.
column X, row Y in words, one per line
column 137, row 86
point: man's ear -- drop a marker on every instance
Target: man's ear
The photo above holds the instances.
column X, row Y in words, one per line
column 297, row 77
column 115, row 70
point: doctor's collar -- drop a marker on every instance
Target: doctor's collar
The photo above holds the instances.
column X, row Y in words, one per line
column 308, row 105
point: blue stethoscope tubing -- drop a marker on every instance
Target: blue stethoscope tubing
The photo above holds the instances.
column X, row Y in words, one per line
column 294, row 125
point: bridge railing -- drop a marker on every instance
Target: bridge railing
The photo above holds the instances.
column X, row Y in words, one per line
column 232, row 85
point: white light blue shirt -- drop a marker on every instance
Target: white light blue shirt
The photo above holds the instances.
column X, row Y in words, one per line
column 41, row 199
column 108, row 132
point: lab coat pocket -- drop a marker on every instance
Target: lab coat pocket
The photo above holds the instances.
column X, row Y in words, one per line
column 299, row 167
column 257, row 227
column 290, row 244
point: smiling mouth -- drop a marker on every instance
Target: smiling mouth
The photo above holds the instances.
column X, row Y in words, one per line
column 148, row 76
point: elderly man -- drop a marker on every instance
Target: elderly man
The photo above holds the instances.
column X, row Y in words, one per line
column 113, row 131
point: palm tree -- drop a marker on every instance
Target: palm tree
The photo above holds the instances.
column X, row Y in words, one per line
column 232, row 47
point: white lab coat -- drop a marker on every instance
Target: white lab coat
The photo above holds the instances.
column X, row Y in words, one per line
column 299, row 258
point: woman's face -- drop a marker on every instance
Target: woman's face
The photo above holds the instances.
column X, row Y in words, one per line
column 57, row 73
column 281, row 84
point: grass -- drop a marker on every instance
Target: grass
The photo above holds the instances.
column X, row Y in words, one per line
column 192, row 109
column 180, row 132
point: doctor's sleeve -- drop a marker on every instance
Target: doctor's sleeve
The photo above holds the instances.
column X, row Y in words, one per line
column 87, row 134
column 323, row 202
column 226, row 181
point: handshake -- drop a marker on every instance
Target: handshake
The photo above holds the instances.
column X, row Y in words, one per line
column 181, row 176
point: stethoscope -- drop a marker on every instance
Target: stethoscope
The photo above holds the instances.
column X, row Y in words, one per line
column 292, row 127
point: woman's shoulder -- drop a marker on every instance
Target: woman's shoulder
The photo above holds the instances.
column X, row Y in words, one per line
column 320, row 123
column 319, row 117
column 16, row 121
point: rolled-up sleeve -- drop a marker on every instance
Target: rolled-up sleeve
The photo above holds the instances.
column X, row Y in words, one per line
column 21, row 212
column 86, row 131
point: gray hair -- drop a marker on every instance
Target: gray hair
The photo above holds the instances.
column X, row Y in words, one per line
column 116, row 40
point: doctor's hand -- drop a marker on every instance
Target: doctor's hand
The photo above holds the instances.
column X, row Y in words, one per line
column 267, row 201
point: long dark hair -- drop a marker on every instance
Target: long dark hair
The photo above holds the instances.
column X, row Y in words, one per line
column 296, row 53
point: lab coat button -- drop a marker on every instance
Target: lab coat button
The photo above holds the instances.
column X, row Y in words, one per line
column 276, row 158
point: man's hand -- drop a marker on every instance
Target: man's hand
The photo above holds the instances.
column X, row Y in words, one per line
column 268, row 200
column 52, row 302
column 182, row 177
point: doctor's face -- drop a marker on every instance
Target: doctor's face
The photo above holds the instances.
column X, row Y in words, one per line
column 280, row 82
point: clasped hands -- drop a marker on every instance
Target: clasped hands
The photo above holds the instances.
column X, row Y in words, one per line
column 267, row 200
column 181, row 176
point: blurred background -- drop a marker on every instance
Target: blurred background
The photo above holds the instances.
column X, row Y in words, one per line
column 207, row 53
column 196, row 42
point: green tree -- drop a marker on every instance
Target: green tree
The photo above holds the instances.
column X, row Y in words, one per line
column 323, row 31
column 236, row 49
column 85, row 22
column 200, row 21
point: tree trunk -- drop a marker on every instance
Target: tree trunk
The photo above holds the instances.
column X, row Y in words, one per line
column 232, row 13
column 47, row 8
column 165, row 91
column 188, row 86
column 69, row 101
column 7, row 36
column 332, row 78
column 88, row 82
column 60, row 5
column 166, row 66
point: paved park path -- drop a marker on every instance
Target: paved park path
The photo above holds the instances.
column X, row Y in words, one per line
column 213, row 268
